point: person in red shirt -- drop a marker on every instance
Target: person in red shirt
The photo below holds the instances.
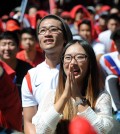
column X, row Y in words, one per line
column 10, row 104
column 29, row 53
column 9, row 45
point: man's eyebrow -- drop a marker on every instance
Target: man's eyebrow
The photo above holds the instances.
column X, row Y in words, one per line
column 49, row 26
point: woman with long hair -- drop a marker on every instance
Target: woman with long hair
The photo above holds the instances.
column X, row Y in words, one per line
column 79, row 92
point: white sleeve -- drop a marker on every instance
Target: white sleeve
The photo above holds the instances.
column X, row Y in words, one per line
column 46, row 122
column 27, row 97
column 99, row 48
column 101, row 116
column 100, row 37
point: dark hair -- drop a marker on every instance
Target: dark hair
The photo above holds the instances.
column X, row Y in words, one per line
column 30, row 31
column 66, row 30
column 116, row 7
column 114, row 17
column 85, row 21
column 104, row 15
column 115, row 35
column 10, row 35
column 93, row 66
column 92, row 81
column 89, row 23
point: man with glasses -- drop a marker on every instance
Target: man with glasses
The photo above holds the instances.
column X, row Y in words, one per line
column 53, row 34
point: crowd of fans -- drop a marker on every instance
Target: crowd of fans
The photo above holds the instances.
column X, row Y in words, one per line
column 20, row 51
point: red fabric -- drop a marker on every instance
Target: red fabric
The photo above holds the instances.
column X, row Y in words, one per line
column 10, row 104
column 8, row 69
column 1, row 26
column 80, row 125
column 32, row 20
column 104, row 8
column 107, row 63
column 76, row 8
column 38, row 48
column 98, row 29
column 27, row 76
column 11, row 25
column 65, row 14
column 113, row 47
column 41, row 13
column 26, row 16
column 52, row 5
column 38, row 59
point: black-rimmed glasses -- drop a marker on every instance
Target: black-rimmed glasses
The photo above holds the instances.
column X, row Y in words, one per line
column 78, row 57
column 52, row 29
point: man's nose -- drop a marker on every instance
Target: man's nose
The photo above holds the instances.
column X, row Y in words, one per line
column 47, row 32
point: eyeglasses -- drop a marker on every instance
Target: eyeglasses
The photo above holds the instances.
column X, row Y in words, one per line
column 78, row 57
column 52, row 29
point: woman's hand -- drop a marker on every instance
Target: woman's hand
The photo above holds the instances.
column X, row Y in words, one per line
column 67, row 91
column 75, row 88
column 60, row 104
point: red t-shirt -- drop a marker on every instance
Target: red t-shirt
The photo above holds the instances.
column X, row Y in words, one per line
column 38, row 58
column 10, row 104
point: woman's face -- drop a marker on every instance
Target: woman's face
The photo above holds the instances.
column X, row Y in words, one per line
column 76, row 55
column 85, row 32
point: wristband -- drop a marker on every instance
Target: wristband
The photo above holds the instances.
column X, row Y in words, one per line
column 82, row 101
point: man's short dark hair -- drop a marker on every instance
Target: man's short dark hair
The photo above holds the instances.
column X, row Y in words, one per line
column 30, row 31
column 114, row 17
column 10, row 35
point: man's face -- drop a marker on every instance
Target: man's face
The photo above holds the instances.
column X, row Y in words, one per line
column 32, row 11
column 50, row 36
column 113, row 25
column 28, row 42
column 85, row 32
column 102, row 22
column 79, row 15
column 8, row 49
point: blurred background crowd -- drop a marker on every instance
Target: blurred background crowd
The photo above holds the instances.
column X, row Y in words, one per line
column 97, row 21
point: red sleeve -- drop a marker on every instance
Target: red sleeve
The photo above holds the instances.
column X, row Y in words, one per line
column 8, row 69
column 10, row 104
